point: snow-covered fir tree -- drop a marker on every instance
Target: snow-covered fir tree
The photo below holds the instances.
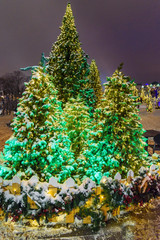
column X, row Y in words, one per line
column 38, row 145
column 149, row 99
column 68, row 63
column 124, row 132
column 142, row 95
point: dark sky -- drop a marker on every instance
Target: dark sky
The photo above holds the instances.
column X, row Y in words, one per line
column 111, row 32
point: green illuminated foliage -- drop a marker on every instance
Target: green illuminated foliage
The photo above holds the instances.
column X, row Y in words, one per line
column 125, row 132
column 38, row 145
column 64, row 127
column 95, row 82
column 68, row 63
column 78, row 124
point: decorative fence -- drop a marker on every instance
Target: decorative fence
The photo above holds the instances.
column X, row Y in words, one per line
column 69, row 202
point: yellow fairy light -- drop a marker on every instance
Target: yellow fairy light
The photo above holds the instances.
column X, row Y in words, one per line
column 101, row 198
column 34, row 223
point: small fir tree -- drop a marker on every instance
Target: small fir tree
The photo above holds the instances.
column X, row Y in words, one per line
column 38, row 145
column 149, row 99
column 156, row 101
column 149, row 104
column 142, row 95
column 135, row 92
column 68, row 63
column 124, row 130
column 95, row 82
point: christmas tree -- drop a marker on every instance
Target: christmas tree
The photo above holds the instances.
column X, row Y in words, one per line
column 124, row 132
column 135, row 92
column 68, row 63
column 95, row 81
column 149, row 100
column 142, row 95
column 149, row 104
column 38, row 145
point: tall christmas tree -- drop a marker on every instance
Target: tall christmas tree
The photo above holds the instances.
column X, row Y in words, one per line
column 95, row 81
column 68, row 63
column 38, row 145
column 125, row 133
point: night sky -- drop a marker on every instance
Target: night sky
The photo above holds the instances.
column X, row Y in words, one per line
column 111, row 32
